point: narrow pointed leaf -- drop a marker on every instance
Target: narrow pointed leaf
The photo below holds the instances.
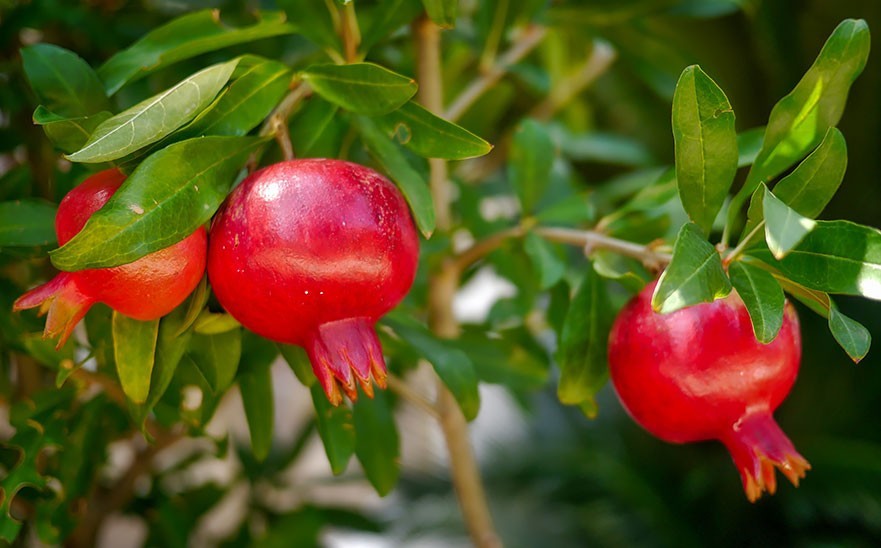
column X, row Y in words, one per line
column 313, row 20
column 838, row 257
column 68, row 134
column 530, row 163
column 134, row 350
column 298, row 361
column 27, row 223
column 442, row 12
column 412, row 184
column 583, row 352
column 183, row 38
column 170, row 195
column 257, row 399
column 548, row 263
column 850, row 334
column 156, row 117
column 784, row 227
column 800, row 120
column 706, row 145
column 694, row 275
column 320, row 117
column 363, row 88
column 217, row 358
column 336, row 427
column 431, row 136
column 749, row 143
column 62, row 81
column 389, row 16
column 763, row 297
column 376, row 442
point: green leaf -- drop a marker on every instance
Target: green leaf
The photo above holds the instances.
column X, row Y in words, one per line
column 801, row 119
column 388, row 16
column 763, row 297
column 583, row 352
column 256, row 388
column 547, row 261
column 784, row 227
column 298, row 361
column 156, row 117
column 363, row 88
column 451, row 364
column 62, row 81
column 170, row 348
column 170, row 195
column 134, row 350
column 392, row 160
column 314, row 126
column 530, row 162
column 248, row 101
column 376, row 442
column 694, row 275
column 506, row 358
column 183, row 38
column 27, row 223
column 213, row 323
column 749, row 143
column 68, row 134
column 838, row 257
column 850, row 334
column 442, row 12
column 336, row 428
column 431, row 136
column 313, row 20
column 217, row 358
column 706, row 145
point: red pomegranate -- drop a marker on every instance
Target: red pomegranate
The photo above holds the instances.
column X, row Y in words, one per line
column 700, row 374
column 312, row 252
column 145, row 289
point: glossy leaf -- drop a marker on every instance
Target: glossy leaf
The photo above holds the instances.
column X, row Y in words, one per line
column 185, row 37
column 319, row 116
column 838, row 257
column 530, row 162
column 27, row 223
column 214, row 323
column 853, row 337
column 169, row 196
column 442, row 12
column 800, row 120
column 548, row 263
column 784, row 227
column 706, row 145
column 451, row 364
column 431, row 136
column 68, row 134
column 154, row 118
column 257, row 399
column 170, row 348
column 582, row 354
column 134, row 351
column 376, row 442
column 298, row 361
column 313, row 20
column 62, row 81
column 248, row 101
column 412, row 184
column 363, row 88
column 749, row 143
column 763, row 297
column 694, row 275
column 217, row 358
column 336, row 428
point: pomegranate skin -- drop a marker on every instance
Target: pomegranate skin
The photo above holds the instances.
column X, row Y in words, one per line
column 145, row 289
column 312, row 252
column 700, row 374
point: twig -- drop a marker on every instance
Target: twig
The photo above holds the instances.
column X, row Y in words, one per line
column 741, row 247
column 350, row 33
column 484, row 247
column 590, row 240
column 299, row 91
column 524, row 44
column 401, row 388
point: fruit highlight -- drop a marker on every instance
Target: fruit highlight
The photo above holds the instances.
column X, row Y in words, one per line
column 312, row 252
column 145, row 289
column 700, row 374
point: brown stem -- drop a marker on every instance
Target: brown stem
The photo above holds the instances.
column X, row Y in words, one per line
column 404, row 390
column 443, row 285
column 591, row 240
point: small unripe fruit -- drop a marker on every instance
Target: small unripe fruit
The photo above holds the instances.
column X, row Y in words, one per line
column 312, row 252
column 700, row 374
column 145, row 289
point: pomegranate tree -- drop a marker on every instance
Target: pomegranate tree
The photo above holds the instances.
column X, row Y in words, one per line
column 700, row 374
column 145, row 289
column 312, row 252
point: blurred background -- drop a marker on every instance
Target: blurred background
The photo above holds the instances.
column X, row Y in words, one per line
column 553, row 476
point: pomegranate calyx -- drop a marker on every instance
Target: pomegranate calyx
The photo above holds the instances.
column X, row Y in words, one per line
column 62, row 300
column 344, row 352
column 758, row 445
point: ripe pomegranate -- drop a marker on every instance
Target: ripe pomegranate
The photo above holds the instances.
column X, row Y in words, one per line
column 312, row 252
column 699, row 374
column 145, row 289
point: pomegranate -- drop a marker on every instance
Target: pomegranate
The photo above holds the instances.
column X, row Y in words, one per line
column 312, row 252
column 145, row 289
column 699, row 374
